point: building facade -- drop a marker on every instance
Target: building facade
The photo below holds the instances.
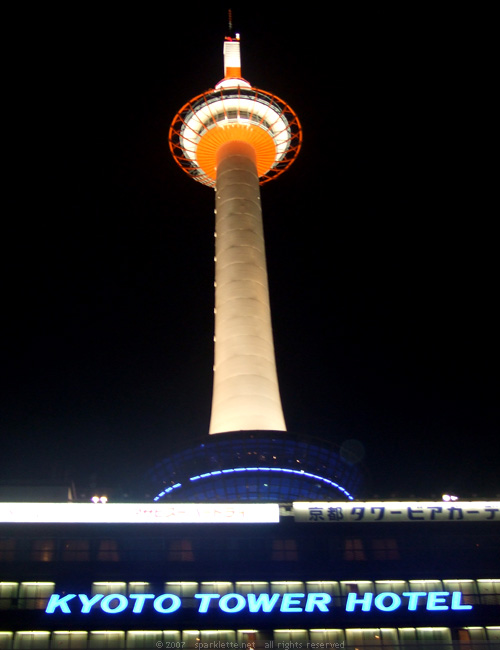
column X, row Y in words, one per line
column 290, row 576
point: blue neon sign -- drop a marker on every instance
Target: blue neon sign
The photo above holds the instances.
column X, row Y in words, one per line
column 388, row 601
column 255, row 603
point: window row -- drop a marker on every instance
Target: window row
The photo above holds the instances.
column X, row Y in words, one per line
column 234, row 549
column 35, row 595
column 466, row 638
column 186, row 549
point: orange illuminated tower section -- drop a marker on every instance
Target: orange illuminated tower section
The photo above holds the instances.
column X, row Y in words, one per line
column 234, row 138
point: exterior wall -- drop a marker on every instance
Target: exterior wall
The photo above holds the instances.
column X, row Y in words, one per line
column 342, row 560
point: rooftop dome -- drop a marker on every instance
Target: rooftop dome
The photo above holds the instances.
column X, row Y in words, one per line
column 257, row 466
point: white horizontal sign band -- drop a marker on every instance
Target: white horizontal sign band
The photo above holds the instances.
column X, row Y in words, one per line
column 338, row 512
column 137, row 513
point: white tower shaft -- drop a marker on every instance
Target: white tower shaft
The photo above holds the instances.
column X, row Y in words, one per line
column 246, row 393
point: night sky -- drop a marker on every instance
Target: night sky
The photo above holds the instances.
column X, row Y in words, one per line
column 381, row 242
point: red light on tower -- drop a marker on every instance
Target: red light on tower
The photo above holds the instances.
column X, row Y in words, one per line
column 234, row 138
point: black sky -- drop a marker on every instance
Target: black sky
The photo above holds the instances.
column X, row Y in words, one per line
column 381, row 241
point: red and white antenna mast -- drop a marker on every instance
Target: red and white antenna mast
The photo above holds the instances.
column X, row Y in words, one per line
column 232, row 57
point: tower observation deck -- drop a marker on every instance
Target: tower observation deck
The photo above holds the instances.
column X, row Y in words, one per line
column 235, row 138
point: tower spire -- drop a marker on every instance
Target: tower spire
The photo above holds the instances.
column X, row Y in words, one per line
column 232, row 57
column 234, row 138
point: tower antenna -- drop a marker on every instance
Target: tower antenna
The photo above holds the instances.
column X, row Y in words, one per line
column 230, row 19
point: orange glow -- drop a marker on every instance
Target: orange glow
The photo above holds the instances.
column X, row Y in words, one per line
column 277, row 144
column 232, row 73
column 260, row 140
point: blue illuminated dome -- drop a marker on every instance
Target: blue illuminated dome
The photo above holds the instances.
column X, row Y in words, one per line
column 256, row 466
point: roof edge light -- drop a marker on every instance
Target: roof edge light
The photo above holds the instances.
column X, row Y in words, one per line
column 233, row 470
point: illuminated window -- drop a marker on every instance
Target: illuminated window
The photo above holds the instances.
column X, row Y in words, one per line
column 407, row 637
column 181, row 550
column 389, row 636
column 350, row 588
column 328, row 636
column 69, row 640
column 251, row 638
column 426, row 585
column 427, row 634
column 108, row 588
column 372, row 637
column 35, row 595
column 287, row 587
column 185, row 591
column 385, row 549
column 139, row 588
column 108, row 550
column 291, row 636
column 106, row 639
column 353, row 550
column 216, row 636
column 216, row 588
column 31, row 640
column 7, row 549
column 394, row 586
column 182, row 589
column 284, row 550
column 172, row 637
column 6, row 640
column 191, row 638
column 145, row 639
column 467, row 637
column 76, row 550
column 467, row 587
column 325, row 587
column 252, row 587
column 358, row 587
column 489, row 591
column 493, row 632
column 8, row 594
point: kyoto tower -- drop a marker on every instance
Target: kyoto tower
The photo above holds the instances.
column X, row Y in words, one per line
column 234, row 138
